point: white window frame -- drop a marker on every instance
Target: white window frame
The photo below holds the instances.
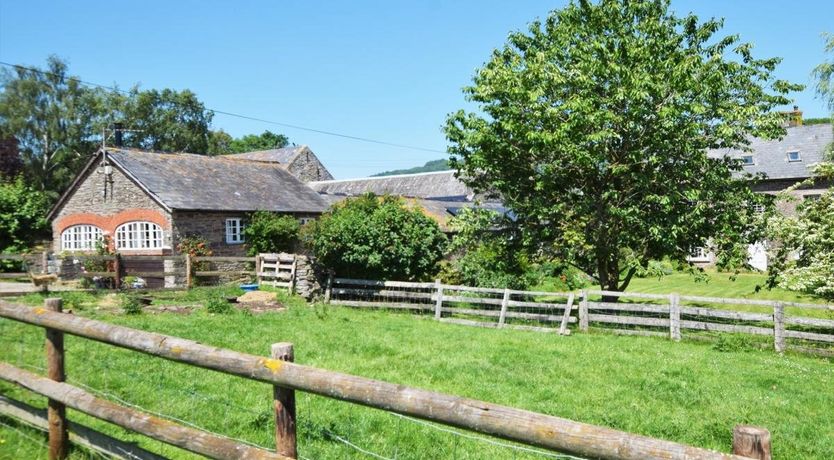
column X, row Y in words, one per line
column 139, row 235
column 698, row 254
column 82, row 237
column 744, row 160
column 798, row 156
column 234, row 230
column 305, row 220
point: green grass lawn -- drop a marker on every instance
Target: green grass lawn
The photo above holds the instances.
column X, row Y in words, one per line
column 687, row 392
column 743, row 285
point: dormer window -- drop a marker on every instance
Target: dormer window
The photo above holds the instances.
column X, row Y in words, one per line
column 747, row 160
column 794, row 156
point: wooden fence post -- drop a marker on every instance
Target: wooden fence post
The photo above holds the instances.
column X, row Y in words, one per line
column 189, row 274
column 563, row 326
column 752, row 442
column 438, row 304
column 117, row 271
column 328, row 290
column 674, row 317
column 583, row 312
column 56, row 411
column 258, row 269
column 284, row 404
column 779, row 327
column 45, row 262
column 504, row 303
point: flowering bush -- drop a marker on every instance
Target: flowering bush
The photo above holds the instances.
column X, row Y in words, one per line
column 195, row 246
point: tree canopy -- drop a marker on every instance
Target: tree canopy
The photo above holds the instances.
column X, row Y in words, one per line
column 163, row 120
column 53, row 117
column 58, row 122
column 594, row 126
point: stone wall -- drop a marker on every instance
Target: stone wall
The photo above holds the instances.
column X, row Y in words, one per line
column 310, row 278
column 307, row 167
column 108, row 203
column 788, row 207
column 211, row 225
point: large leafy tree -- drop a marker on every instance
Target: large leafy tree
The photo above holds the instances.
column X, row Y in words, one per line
column 376, row 238
column 221, row 143
column 52, row 116
column 594, row 127
column 253, row 142
column 166, row 120
column 58, row 121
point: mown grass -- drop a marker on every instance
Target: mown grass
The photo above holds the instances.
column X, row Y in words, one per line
column 687, row 392
column 746, row 285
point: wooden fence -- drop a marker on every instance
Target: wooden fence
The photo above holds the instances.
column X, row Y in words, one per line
column 670, row 315
column 162, row 270
column 522, row 426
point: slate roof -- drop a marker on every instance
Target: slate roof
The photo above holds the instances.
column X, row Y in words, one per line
column 433, row 185
column 438, row 210
column 283, row 155
column 184, row 181
column 771, row 156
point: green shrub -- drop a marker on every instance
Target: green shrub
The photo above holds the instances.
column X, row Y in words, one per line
column 564, row 277
column 130, row 304
column 734, row 342
column 488, row 252
column 218, row 304
column 22, row 216
column 271, row 232
column 377, row 238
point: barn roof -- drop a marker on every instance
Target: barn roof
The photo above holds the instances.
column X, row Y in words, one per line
column 185, row 181
column 283, row 155
column 433, row 185
column 771, row 156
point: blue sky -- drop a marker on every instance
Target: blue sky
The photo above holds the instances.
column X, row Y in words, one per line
column 376, row 69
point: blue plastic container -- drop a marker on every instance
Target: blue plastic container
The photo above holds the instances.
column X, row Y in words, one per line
column 249, row 287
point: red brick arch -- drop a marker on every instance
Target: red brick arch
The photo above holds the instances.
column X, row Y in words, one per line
column 108, row 224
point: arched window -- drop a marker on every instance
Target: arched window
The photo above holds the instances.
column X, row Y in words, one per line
column 139, row 235
column 80, row 238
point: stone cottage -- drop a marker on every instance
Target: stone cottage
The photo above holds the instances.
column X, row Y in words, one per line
column 784, row 163
column 146, row 201
column 299, row 161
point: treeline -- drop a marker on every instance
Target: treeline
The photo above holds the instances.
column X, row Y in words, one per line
column 52, row 122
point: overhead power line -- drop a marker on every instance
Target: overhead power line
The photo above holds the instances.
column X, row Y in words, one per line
column 246, row 117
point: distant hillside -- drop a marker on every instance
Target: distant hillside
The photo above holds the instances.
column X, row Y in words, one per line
column 434, row 165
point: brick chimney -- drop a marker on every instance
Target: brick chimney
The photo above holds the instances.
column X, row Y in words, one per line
column 794, row 117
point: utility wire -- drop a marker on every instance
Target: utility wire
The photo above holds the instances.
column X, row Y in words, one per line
column 246, row 117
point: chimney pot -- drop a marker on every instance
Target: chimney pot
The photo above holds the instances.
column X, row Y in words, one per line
column 117, row 131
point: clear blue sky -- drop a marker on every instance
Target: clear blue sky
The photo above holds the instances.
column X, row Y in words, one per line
column 376, row 69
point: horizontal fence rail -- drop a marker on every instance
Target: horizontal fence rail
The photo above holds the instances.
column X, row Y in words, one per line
column 111, row 271
column 79, row 434
column 523, row 426
column 631, row 313
column 187, row 438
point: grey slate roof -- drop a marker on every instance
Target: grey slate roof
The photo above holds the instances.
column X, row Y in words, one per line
column 434, row 185
column 282, row 155
column 185, row 181
column 771, row 156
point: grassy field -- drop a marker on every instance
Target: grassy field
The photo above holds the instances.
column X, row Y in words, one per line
column 688, row 392
column 717, row 284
